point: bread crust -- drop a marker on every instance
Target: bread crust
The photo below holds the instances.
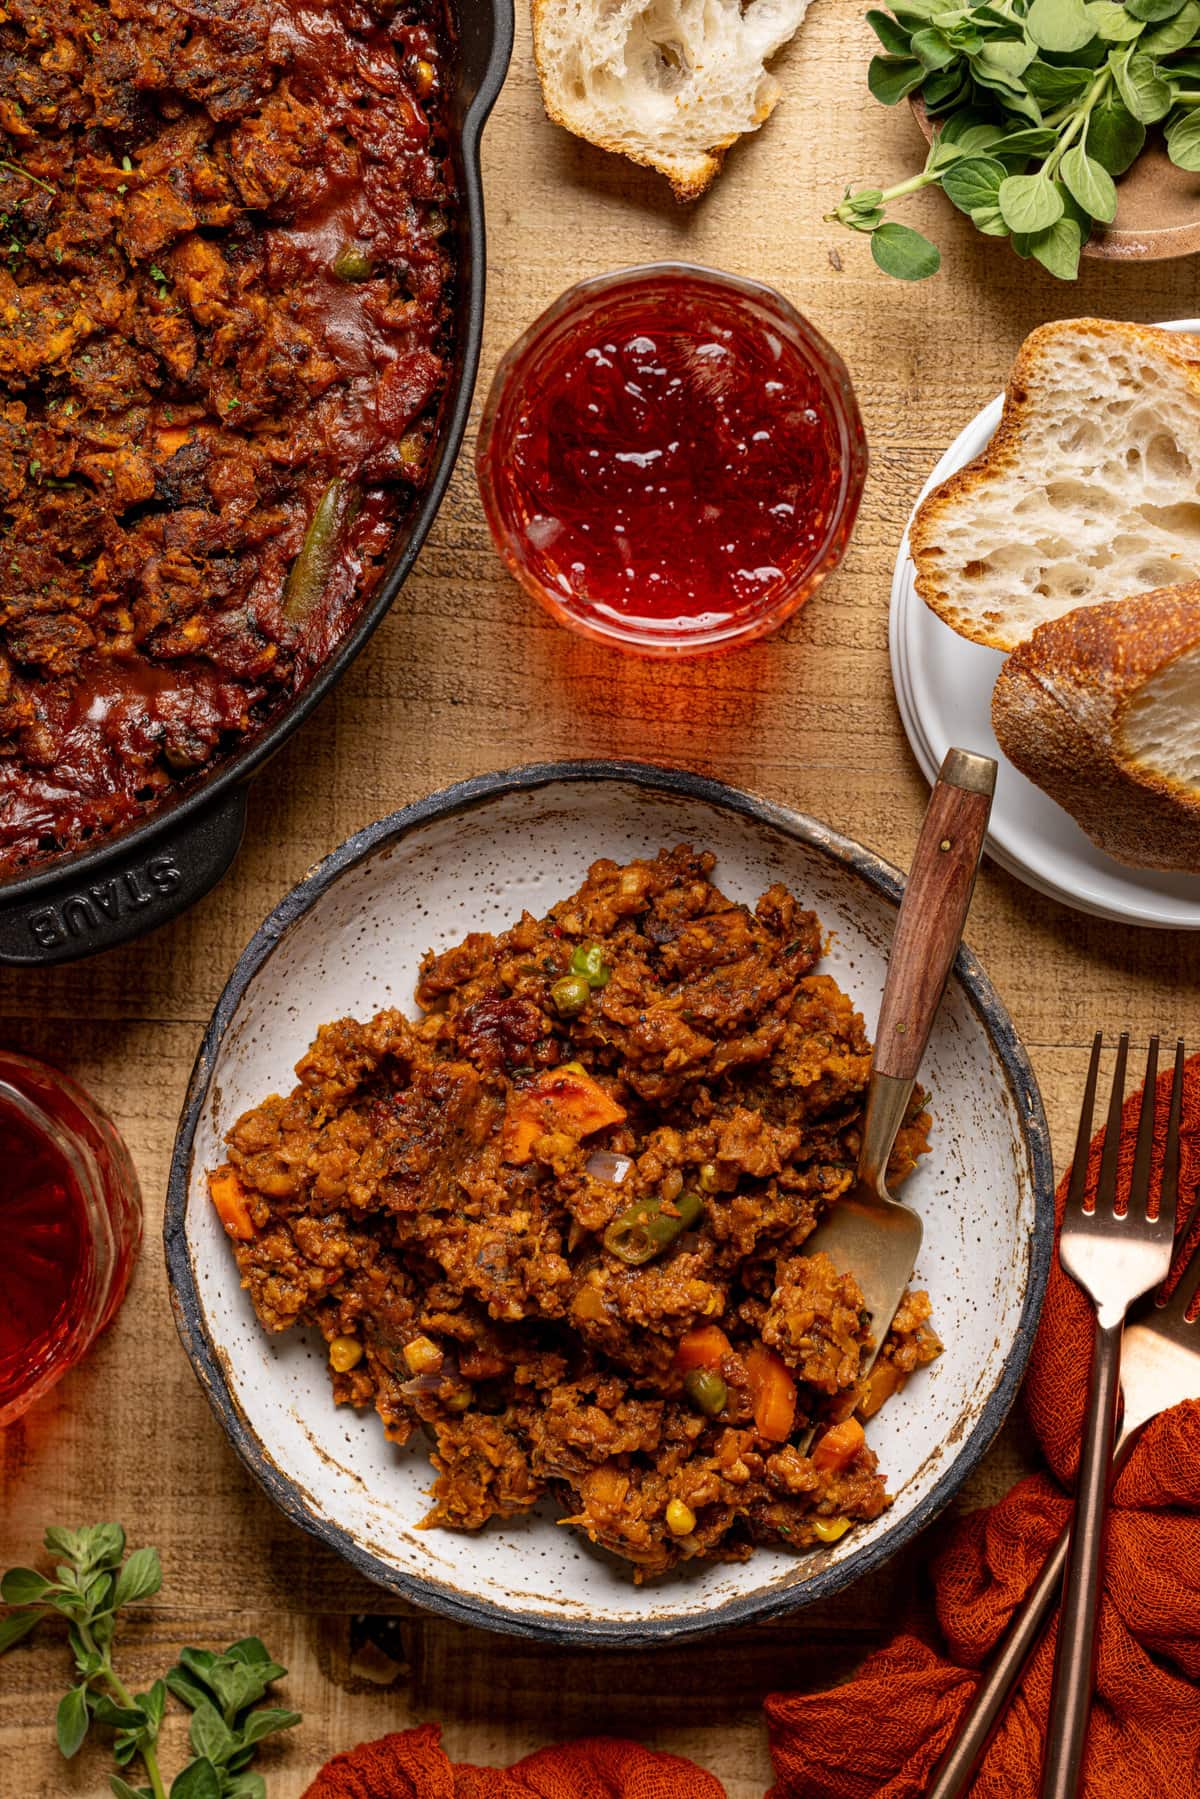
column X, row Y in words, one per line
column 690, row 178
column 1058, row 710
column 1003, row 453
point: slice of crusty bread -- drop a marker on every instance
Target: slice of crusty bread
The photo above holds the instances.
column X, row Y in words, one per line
column 669, row 83
column 1101, row 708
column 1089, row 490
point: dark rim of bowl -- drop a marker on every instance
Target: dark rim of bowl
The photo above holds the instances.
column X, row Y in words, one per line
column 434, row 1595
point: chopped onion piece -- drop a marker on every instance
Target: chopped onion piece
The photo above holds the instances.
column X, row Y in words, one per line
column 605, row 1166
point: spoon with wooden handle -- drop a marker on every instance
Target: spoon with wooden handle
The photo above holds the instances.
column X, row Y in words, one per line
column 868, row 1233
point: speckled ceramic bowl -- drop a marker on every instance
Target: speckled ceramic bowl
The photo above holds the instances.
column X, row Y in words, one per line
column 348, row 940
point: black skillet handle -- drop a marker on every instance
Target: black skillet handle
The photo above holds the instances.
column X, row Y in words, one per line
column 128, row 893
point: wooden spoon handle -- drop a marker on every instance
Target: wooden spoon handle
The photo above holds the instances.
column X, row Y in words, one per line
column 933, row 910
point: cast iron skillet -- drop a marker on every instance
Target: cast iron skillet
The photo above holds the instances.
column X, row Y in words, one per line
column 143, row 876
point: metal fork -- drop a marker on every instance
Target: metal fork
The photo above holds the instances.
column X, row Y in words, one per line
column 1159, row 1368
column 1116, row 1258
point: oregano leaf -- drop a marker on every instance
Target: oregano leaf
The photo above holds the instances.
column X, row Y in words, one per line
column 974, row 182
column 1057, row 249
column 199, row 1780
column 1141, row 86
column 1061, row 25
column 1183, row 142
column 1173, row 34
column 1089, row 183
column 899, row 250
column 139, row 1578
column 266, row 1721
column 1029, row 203
column 1112, row 23
column 209, row 1734
column 71, row 1721
column 989, row 220
column 1114, row 137
column 932, row 50
column 15, row 1626
column 891, row 35
column 892, row 78
column 24, row 1586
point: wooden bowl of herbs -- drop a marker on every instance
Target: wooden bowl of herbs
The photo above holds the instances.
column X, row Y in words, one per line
column 1070, row 129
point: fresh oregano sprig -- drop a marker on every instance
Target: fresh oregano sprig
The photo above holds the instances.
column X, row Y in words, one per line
column 90, row 1584
column 1037, row 105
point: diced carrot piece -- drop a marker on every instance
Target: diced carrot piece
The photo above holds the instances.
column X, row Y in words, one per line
column 772, row 1394
column 884, row 1380
column 523, row 1125
column 704, row 1347
column 561, row 1099
column 839, row 1446
column 229, row 1197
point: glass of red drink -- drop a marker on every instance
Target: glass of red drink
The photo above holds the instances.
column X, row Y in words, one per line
column 671, row 459
column 70, row 1224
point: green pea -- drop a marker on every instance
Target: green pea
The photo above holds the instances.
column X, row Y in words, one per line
column 707, row 1391
column 570, row 995
column 588, row 961
column 352, row 264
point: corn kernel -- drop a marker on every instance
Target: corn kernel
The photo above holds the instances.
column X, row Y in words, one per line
column 423, row 1356
column 708, row 1177
column 423, row 74
column 345, row 1353
column 830, row 1529
column 681, row 1519
column 460, row 1400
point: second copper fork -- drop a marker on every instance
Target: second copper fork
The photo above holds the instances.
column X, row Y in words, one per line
column 1159, row 1368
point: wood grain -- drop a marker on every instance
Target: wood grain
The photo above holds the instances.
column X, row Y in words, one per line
column 468, row 675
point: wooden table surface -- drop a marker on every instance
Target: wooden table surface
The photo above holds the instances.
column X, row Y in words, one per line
column 465, row 676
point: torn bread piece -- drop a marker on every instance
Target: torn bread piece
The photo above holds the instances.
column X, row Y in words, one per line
column 1088, row 491
column 669, row 83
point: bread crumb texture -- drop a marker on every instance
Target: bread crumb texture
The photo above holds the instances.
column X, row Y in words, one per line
column 1089, row 491
column 669, row 83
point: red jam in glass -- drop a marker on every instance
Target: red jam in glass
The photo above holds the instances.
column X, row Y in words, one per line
column 671, row 459
column 70, row 1223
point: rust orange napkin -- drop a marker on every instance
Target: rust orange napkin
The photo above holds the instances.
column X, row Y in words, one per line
column 411, row 1764
column 1144, row 1741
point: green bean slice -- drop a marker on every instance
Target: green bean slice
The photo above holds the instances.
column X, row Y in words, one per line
column 312, row 568
column 646, row 1228
column 588, row 961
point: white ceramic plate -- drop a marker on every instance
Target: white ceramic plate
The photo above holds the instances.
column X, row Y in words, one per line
column 348, row 940
column 944, row 691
